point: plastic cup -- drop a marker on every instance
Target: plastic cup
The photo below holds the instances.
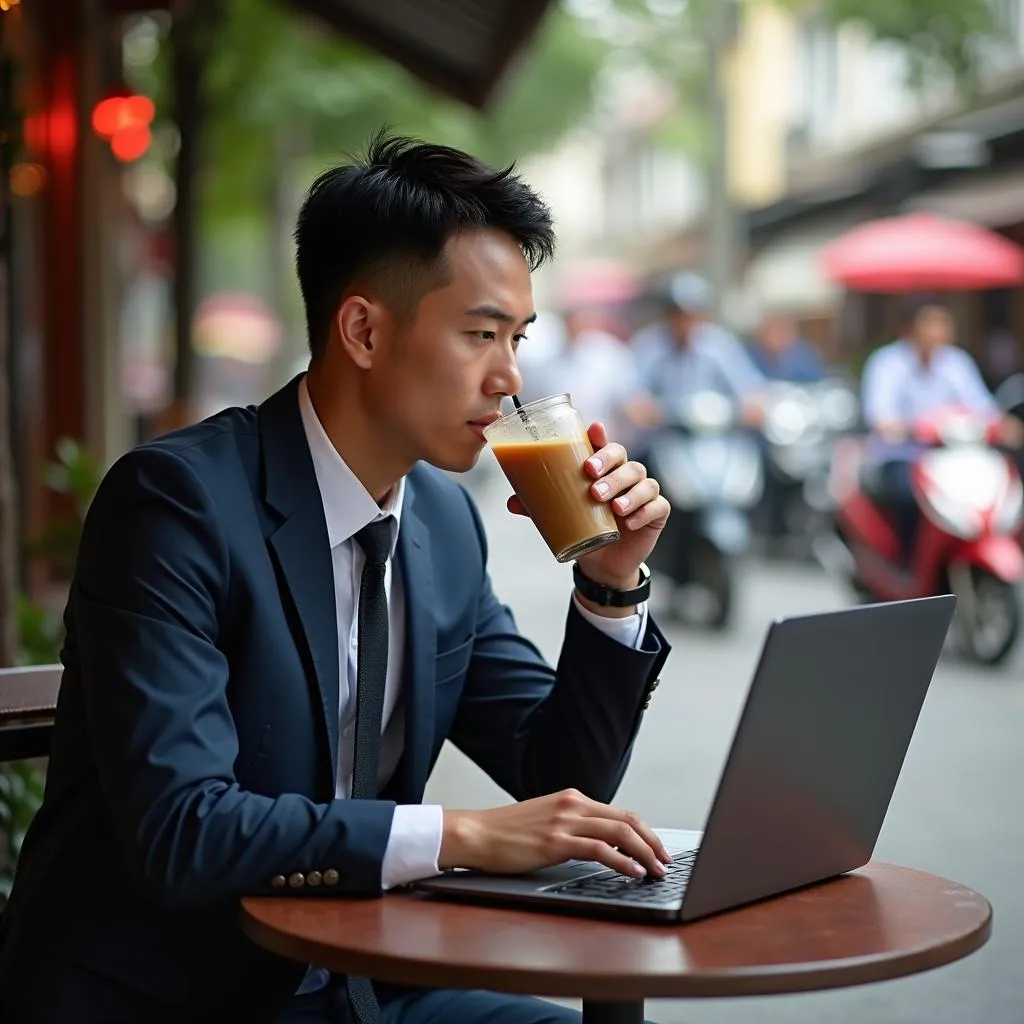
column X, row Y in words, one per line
column 541, row 450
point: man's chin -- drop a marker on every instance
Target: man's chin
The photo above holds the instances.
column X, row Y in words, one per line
column 455, row 463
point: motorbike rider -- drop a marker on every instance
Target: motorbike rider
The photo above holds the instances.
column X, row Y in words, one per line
column 685, row 352
column 781, row 354
column 913, row 377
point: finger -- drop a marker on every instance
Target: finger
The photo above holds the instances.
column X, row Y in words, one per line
column 655, row 512
column 618, row 481
column 598, row 435
column 619, row 833
column 636, row 498
column 581, row 848
column 650, row 837
column 591, row 808
column 605, row 459
column 516, row 507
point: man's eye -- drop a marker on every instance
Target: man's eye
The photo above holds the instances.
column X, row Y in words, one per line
column 485, row 335
column 520, row 338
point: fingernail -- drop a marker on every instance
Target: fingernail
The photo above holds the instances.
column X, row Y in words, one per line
column 596, row 465
column 601, row 489
column 639, row 871
column 622, row 504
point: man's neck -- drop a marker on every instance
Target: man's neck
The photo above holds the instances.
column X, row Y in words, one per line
column 924, row 356
column 355, row 439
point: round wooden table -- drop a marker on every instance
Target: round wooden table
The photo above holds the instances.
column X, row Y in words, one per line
column 880, row 922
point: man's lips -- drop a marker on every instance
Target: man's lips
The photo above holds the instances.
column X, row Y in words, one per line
column 485, row 421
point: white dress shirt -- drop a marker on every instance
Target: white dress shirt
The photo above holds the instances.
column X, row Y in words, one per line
column 414, row 844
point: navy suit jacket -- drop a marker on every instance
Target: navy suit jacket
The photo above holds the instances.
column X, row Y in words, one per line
column 196, row 738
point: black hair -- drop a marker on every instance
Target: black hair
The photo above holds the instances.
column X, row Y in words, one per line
column 387, row 217
column 914, row 305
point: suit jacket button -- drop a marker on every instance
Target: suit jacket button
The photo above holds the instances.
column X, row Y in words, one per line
column 278, row 882
column 297, row 881
column 655, row 684
column 331, row 877
column 313, row 878
column 647, row 703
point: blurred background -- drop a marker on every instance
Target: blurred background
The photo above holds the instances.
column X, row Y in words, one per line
column 152, row 159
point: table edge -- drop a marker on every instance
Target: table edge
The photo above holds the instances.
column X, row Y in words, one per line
column 755, row 981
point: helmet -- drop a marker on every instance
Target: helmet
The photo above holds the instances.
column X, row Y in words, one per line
column 688, row 292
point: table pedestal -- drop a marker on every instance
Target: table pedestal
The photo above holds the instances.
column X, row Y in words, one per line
column 612, row 1013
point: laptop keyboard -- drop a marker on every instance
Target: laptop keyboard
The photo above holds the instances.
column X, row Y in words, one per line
column 610, row 885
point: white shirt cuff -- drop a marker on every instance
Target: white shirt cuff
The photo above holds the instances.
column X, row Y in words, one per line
column 414, row 845
column 629, row 631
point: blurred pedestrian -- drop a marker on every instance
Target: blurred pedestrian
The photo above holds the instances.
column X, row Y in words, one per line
column 595, row 366
column 782, row 354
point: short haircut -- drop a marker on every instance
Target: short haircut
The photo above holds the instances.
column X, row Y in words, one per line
column 914, row 305
column 386, row 218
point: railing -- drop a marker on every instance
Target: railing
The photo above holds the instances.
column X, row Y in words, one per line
column 28, row 701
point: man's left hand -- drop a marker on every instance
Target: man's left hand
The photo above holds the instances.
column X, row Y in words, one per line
column 637, row 504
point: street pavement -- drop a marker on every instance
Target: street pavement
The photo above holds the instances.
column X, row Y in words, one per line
column 954, row 813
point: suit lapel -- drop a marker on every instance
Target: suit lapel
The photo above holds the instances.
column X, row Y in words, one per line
column 301, row 548
column 420, row 646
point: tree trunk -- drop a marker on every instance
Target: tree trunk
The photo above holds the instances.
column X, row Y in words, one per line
column 191, row 38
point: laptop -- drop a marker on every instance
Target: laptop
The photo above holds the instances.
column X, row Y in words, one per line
column 814, row 762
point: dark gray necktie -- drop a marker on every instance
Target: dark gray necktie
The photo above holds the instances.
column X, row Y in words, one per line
column 371, row 677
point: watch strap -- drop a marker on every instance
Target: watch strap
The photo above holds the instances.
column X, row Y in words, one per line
column 610, row 597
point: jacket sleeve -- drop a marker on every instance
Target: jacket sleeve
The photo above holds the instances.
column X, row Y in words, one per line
column 149, row 595
column 536, row 730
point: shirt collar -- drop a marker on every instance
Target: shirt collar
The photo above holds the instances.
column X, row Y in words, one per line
column 348, row 506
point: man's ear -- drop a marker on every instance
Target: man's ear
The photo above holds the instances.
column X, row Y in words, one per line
column 359, row 321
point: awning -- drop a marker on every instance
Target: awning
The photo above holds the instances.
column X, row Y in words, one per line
column 994, row 200
column 460, row 47
column 788, row 274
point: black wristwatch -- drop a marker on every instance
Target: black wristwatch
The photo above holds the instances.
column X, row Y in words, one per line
column 609, row 597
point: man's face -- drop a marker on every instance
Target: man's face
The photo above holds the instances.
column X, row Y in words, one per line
column 933, row 328
column 438, row 378
column 681, row 323
column 778, row 334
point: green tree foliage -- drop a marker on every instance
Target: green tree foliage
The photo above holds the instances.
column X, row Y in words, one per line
column 280, row 83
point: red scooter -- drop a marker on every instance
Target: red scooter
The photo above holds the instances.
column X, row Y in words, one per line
column 971, row 502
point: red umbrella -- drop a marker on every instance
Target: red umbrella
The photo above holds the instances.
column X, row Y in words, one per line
column 921, row 252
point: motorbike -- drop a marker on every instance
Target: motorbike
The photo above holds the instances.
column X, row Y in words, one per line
column 1010, row 396
column 711, row 471
column 802, row 424
column 971, row 502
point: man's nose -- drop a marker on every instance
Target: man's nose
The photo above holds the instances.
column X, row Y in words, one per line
column 506, row 378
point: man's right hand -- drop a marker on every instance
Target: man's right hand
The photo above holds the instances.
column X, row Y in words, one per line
column 1011, row 432
column 549, row 830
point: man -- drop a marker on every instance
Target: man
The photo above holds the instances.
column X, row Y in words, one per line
column 912, row 378
column 287, row 605
column 684, row 353
column 781, row 354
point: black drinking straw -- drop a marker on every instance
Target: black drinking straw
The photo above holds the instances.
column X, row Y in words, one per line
column 531, row 427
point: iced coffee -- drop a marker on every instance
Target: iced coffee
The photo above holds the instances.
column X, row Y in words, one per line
column 541, row 450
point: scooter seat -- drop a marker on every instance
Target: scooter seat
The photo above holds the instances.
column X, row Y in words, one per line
column 872, row 482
